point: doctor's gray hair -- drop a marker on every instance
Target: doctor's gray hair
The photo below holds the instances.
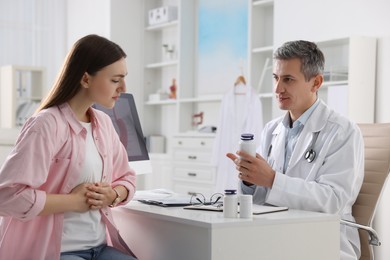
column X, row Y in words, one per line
column 312, row 58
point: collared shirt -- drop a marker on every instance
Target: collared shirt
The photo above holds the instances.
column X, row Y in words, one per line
column 47, row 159
column 294, row 132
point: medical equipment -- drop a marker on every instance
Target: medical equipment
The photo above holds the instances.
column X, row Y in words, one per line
column 310, row 154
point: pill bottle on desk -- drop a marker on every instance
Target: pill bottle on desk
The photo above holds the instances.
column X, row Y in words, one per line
column 246, row 206
column 230, row 204
column 247, row 144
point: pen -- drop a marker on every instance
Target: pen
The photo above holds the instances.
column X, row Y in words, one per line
column 153, row 202
column 269, row 150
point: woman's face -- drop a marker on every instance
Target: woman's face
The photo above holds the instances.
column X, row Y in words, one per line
column 108, row 83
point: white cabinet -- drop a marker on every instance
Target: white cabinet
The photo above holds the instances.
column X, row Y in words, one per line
column 261, row 46
column 169, row 55
column 161, row 175
column 350, row 69
column 8, row 138
column 192, row 169
column 21, row 91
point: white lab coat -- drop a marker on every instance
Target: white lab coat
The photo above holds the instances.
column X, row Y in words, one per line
column 240, row 113
column 330, row 183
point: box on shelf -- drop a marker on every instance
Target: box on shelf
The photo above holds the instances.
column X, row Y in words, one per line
column 162, row 14
column 158, row 97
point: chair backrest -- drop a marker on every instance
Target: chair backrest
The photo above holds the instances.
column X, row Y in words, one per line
column 377, row 166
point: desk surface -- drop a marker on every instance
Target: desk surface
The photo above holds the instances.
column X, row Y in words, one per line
column 175, row 233
column 211, row 219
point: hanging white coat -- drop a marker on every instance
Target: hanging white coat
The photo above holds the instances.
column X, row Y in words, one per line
column 240, row 113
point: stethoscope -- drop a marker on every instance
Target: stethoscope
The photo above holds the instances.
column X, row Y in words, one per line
column 310, row 154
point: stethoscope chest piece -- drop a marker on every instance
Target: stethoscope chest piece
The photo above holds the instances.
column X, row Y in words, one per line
column 310, row 155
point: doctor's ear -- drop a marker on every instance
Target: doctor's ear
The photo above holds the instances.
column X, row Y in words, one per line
column 317, row 82
column 85, row 80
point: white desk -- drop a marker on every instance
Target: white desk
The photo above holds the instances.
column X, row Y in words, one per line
column 156, row 233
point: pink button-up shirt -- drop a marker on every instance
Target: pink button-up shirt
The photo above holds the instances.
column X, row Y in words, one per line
column 47, row 159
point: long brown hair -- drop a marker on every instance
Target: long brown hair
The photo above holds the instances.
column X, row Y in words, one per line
column 89, row 54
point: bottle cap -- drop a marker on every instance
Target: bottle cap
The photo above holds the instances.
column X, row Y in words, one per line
column 230, row 192
column 247, row 137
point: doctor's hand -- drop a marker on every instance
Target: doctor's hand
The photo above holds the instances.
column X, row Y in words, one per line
column 253, row 170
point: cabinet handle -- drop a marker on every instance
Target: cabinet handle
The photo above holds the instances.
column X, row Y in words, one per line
column 192, row 174
column 202, row 143
column 179, row 142
column 192, row 157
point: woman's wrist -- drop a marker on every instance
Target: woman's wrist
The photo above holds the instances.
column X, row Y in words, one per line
column 116, row 200
column 120, row 195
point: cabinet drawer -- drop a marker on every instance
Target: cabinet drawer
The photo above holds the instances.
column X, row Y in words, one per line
column 191, row 156
column 188, row 142
column 189, row 189
column 195, row 174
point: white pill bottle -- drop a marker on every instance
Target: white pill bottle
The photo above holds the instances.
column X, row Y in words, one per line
column 230, row 204
column 247, row 144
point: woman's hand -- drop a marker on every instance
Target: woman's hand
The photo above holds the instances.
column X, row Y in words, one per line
column 253, row 170
column 79, row 195
column 100, row 195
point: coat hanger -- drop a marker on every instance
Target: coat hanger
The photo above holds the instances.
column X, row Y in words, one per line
column 240, row 80
column 240, row 86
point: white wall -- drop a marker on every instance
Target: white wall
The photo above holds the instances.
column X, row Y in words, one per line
column 87, row 17
column 320, row 20
column 117, row 20
column 32, row 33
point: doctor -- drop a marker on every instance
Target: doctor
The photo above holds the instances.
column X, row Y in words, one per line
column 311, row 158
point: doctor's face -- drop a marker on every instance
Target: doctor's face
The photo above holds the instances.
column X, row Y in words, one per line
column 293, row 92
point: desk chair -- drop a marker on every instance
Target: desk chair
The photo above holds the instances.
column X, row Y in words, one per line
column 377, row 166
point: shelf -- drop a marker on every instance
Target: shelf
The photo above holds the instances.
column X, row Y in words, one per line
column 263, row 49
column 161, row 64
column 213, row 98
column 259, row 3
column 21, row 90
column 161, row 102
column 334, row 83
column 266, row 95
column 159, row 27
column 30, row 98
column 333, row 42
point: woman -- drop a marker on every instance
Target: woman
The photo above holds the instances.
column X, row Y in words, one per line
column 68, row 166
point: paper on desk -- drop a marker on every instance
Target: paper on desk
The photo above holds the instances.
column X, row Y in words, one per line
column 153, row 194
column 162, row 198
column 262, row 209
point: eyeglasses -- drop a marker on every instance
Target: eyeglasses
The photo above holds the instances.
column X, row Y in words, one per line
column 198, row 199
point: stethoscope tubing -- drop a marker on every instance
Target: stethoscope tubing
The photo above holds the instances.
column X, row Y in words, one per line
column 310, row 154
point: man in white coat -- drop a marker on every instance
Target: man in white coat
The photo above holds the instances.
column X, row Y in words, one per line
column 311, row 158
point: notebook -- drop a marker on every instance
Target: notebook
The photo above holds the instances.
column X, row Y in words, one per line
column 168, row 202
column 257, row 209
column 162, row 198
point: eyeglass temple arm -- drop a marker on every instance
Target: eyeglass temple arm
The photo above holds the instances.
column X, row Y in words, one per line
column 374, row 238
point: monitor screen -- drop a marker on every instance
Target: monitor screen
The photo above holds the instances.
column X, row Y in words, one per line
column 125, row 119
